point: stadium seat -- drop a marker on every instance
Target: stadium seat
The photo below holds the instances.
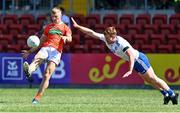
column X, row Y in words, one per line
column 40, row 19
column 92, row 19
column 89, row 40
column 1, row 49
column 141, row 39
column 13, row 48
column 143, row 19
column 166, row 29
column 159, row 19
column 157, row 39
column 120, row 29
column 128, row 37
column 174, row 19
column 32, row 29
column 173, row 39
column 150, row 29
column 3, row 29
column 21, row 40
column 67, row 48
column 97, row 48
column 136, row 46
column 110, row 19
column 177, row 48
column 75, row 40
column 165, row 49
column 100, row 28
column 10, row 19
column 26, row 19
column 79, row 18
column 178, row 29
column 148, row 48
column 15, row 29
column 80, row 48
column 6, row 39
column 134, row 29
column 126, row 19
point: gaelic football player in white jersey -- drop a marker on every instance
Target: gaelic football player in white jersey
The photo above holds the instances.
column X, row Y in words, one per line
column 137, row 60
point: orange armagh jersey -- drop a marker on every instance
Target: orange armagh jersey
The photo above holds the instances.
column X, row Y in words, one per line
column 53, row 32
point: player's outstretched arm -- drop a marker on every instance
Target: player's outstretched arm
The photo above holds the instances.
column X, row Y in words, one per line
column 85, row 30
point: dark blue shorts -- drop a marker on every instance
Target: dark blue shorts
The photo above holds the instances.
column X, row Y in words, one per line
column 142, row 64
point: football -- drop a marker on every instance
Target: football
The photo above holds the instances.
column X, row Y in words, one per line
column 33, row 41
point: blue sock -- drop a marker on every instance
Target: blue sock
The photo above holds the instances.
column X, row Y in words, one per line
column 164, row 93
column 170, row 92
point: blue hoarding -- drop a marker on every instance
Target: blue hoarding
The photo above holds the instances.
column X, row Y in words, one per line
column 11, row 66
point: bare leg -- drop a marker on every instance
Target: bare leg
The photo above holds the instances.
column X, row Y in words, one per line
column 156, row 82
column 45, row 81
column 35, row 63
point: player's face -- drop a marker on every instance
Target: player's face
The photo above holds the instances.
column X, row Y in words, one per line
column 56, row 16
column 110, row 38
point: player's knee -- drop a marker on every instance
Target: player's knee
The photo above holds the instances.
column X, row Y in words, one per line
column 47, row 75
column 153, row 80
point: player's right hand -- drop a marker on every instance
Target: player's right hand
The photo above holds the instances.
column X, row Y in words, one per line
column 25, row 53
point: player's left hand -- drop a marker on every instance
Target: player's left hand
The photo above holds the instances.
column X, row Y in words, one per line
column 127, row 74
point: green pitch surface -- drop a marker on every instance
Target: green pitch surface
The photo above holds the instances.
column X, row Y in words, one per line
column 85, row 100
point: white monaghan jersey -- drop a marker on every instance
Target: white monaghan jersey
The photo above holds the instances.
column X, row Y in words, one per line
column 119, row 47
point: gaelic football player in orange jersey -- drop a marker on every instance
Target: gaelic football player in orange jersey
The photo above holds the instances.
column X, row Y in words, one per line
column 51, row 45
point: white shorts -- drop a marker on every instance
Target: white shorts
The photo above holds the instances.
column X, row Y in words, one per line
column 49, row 54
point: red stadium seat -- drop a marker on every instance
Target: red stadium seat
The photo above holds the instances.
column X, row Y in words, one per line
column 5, row 40
column 32, row 29
column 143, row 19
column 10, row 19
column 80, row 48
column 97, row 48
column 136, row 46
column 15, row 29
column 141, row 39
column 67, row 48
column 26, row 19
column 178, row 29
column 100, row 28
column 13, row 48
column 177, row 48
column 148, row 48
column 41, row 19
column 110, row 19
column 92, row 19
column 165, row 49
column 120, row 29
column 157, row 39
column 129, row 38
column 159, row 19
column 126, row 19
column 21, row 40
column 166, row 29
column 175, row 19
column 173, row 39
column 150, row 29
column 3, row 29
column 75, row 39
column 1, row 49
column 134, row 29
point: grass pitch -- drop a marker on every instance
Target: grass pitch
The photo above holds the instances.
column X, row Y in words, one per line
column 85, row 100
